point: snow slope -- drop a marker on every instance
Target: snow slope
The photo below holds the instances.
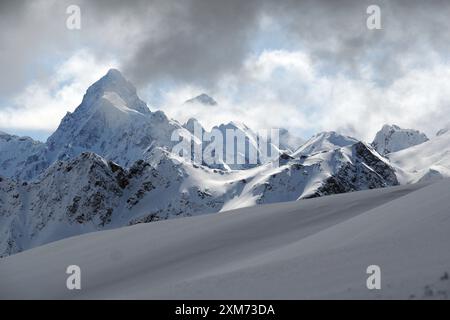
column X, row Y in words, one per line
column 392, row 138
column 316, row 248
column 428, row 161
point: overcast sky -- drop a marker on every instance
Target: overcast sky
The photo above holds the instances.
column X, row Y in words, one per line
column 307, row 66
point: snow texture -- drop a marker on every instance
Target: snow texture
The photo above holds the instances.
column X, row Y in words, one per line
column 316, row 248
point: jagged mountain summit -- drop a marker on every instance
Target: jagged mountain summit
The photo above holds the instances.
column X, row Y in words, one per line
column 115, row 82
column 202, row 99
column 111, row 121
column 392, row 138
column 324, row 141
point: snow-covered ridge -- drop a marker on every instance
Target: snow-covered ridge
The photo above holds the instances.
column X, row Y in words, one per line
column 89, row 193
column 392, row 138
column 429, row 161
column 324, row 141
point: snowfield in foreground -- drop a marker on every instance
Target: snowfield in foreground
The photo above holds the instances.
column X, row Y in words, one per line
column 315, row 248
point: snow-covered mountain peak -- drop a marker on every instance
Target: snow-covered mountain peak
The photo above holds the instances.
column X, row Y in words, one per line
column 392, row 138
column 324, row 141
column 115, row 82
column 203, row 99
column 113, row 122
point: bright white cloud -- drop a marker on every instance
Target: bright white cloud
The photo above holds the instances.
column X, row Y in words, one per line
column 262, row 67
column 274, row 89
column 43, row 104
column 285, row 89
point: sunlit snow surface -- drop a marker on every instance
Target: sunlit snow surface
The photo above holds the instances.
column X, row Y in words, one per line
column 429, row 161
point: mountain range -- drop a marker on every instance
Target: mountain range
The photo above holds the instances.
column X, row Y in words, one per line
column 110, row 164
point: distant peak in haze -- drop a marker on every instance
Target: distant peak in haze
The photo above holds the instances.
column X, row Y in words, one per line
column 203, row 99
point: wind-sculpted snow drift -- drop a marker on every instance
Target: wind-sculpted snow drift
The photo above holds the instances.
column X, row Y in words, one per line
column 109, row 164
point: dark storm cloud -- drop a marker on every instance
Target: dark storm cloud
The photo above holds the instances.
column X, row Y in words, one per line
column 10, row 50
column 335, row 33
column 31, row 32
column 191, row 40
column 203, row 42
column 197, row 41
